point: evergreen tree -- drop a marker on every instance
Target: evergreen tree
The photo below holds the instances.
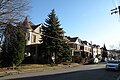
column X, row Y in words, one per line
column 13, row 47
column 53, row 42
column 20, row 48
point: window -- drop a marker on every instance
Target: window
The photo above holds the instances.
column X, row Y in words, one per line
column 81, row 47
column 28, row 36
column 75, row 46
column 86, row 48
column 89, row 49
column 34, row 38
column 40, row 29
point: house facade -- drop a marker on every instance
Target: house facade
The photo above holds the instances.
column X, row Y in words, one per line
column 86, row 49
column 113, row 54
column 97, row 52
column 80, row 49
column 33, row 38
column 83, row 49
column 33, row 35
column 74, row 43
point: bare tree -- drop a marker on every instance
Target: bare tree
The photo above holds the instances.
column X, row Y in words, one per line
column 12, row 10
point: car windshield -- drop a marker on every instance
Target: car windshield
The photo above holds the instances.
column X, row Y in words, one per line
column 116, row 62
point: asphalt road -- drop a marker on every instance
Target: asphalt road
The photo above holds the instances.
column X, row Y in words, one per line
column 84, row 72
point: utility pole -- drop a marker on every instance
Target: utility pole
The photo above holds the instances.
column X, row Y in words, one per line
column 115, row 10
column 91, row 50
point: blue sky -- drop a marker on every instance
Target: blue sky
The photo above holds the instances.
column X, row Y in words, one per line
column 88, row 19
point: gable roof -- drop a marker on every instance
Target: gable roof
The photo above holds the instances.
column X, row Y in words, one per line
column 94, row 45
column 86, row 42
column 72, row 39
column 35, row 26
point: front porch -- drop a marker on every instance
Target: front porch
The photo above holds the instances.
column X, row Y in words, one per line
column 76, row 56
column 31, row 53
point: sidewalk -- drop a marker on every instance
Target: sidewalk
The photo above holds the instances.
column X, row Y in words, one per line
column 41, row 69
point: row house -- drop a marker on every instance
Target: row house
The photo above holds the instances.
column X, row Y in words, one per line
column 86, row 49
column 80, row 49
column 113, row 54
column 74, row 44
column 97, row 51
column 83, row 49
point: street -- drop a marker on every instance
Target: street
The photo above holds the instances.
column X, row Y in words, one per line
column 84, row 72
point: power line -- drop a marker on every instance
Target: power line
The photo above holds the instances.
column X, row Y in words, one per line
column 53, row 37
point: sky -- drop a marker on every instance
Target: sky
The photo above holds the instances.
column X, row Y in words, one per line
column 90, row 20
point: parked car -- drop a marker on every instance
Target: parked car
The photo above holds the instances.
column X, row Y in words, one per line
column 93, row 61
column 113, row 65
column 104, row 59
